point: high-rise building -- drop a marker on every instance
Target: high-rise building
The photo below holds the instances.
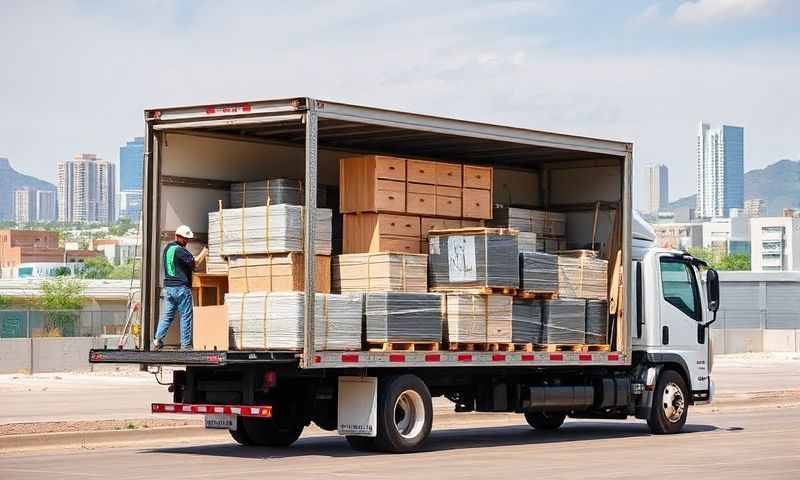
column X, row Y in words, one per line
column 658, row 183
column 720, row 170
column 46, row 206
column 131, row 165
column 755, row 207
column 25, row 205
column 130, row 204
column 86, row 190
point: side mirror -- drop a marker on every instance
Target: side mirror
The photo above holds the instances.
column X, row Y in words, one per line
column 712, row 289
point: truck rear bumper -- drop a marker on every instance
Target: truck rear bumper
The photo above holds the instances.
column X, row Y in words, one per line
column 261, row 411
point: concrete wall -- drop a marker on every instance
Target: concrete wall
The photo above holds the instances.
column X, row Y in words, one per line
column 50, row 354
column 15, row 355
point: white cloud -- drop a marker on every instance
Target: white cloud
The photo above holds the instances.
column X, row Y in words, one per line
column 713, row 11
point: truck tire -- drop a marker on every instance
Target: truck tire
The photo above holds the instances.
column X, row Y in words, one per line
column 266, row 432
column 670, row 404
column 405, row 414
column 545, row 421
column 239, row 435
column 362, row 444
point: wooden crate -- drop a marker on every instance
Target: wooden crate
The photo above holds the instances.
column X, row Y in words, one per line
column 374, row 183
column 476, row 318
column 276, row 273
column 209, row 289
column 380, row 232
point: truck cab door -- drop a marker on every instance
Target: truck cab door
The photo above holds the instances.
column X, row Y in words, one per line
column 681, row 309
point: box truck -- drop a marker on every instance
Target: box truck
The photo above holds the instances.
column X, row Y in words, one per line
column 658, row 362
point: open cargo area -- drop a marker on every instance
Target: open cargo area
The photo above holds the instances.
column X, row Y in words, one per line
column 244, row 177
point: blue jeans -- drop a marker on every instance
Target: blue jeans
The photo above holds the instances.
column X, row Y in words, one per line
column 177, row 299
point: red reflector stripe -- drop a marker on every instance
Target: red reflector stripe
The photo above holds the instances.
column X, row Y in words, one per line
column 350, row 358
column 464, row 358
column 528, row 357
column 397, row 358
column 613, row 357
column 317, row 359
column 247, row 411
column 433, row 357
column 585, row 358
column 498, row 358
column 245, row 107
column 557, row 356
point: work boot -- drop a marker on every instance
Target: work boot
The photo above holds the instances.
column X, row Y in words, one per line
column 157, row 344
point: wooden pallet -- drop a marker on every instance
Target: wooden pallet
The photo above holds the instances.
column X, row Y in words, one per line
column 403, row 346
column 536, row 295
column 598, row 348
column 557, row 347
column 490, row 347
column 476, row 290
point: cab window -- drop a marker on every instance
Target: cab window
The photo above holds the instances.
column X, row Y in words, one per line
column 679, row 287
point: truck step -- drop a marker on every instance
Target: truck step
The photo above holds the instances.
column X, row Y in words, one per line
column 403, row 346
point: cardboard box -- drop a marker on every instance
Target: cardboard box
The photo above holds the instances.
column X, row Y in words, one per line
column 276, row 273
column 210, row 328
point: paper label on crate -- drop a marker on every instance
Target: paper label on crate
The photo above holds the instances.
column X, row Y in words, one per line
column 461, row 259
column 433, row 246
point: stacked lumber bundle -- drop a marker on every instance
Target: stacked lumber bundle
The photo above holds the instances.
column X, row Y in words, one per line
column 476, row 318
column 399, row 317
column 549, row 227
column 278, row 272
column 274, row 321
column 526, row 321
column 563, row 321
column 581, row 274
column 273, row 229
column 596, row 322
column 527, row 242
column 380, row 272
column 538, row 272
column 469, row 258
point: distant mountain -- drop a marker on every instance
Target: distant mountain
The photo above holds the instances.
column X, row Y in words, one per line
column 778, row 184
column 11, row 180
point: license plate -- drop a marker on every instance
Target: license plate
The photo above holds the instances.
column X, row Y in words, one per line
column 224, row 422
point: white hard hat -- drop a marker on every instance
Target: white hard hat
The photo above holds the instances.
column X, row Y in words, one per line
column 184, row 232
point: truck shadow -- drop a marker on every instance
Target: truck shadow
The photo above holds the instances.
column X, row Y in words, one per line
column 442, row 440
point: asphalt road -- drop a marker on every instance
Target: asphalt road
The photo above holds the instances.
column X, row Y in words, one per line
column 762, row 443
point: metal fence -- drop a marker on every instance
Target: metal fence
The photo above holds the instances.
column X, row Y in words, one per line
column 21, row 323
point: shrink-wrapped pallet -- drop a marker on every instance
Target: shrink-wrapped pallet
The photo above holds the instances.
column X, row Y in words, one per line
column 276, row 272
column 581, row 274
column 380, row 272
column 273, row 229
column 403, row 317
column 596, row 322
column 274, row 321
column 526, row 321
column 273, row 191
column 473, row 258
column 538, row 272
column 527, row 220
column 527, row 242
column 473, row 318
column 564, row 321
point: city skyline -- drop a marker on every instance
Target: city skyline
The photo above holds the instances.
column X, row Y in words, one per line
column 86, row 189
column 720, row 170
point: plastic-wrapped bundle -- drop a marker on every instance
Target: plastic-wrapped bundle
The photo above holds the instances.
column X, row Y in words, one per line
column 473, row 257
column 276, row 272
column 527, row 220
column 564, row 321
column 273, row 229
column 596, row 322
column 404, row 317
column 274, row 321
column 380, row 272
column 538, row 272
column 527, row 242
column 526, row 321
column 473, row 318
column 553, row 244
column 274, row 191
column 582, row 275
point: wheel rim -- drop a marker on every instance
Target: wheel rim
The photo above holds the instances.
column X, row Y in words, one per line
column 673, row 403
column 409, row 414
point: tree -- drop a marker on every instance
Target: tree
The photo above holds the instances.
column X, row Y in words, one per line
column 5, row 302
column 722, row 261
column 63, row 298
column 96, row 267
column 121, row 227
column 62, row 271
column 125, row 272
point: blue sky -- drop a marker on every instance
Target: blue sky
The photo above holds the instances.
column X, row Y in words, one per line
column 79, row 73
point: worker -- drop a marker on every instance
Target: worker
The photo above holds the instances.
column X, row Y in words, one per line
column 178, row 266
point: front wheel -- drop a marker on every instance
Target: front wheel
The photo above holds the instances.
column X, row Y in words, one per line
column 405, row 414
column 266, row 432
column 545, row 421
column 670, row 404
